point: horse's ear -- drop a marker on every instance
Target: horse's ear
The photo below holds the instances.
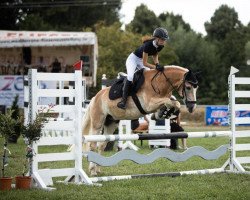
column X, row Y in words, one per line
column 191, row 77
column 198, row 75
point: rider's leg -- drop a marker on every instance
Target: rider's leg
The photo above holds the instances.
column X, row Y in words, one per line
column 126, row 89
column 131, row 64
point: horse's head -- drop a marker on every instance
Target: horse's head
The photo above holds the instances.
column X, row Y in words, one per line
column 189, row 88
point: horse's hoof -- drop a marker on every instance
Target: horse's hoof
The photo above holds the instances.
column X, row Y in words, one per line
column 119, row 148
column 93, row 173
column 153, row 117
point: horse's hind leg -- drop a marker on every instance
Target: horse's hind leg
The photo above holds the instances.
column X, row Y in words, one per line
column 93, row 166
column 108, row 130
column 89, row 129
column 95, row 129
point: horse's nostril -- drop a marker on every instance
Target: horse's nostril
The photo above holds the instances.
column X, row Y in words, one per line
column 191, row 107
column 190, row 110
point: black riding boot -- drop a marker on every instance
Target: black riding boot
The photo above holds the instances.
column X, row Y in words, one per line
column 126, row 89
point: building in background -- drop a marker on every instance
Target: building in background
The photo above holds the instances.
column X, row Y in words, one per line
column 21, row 50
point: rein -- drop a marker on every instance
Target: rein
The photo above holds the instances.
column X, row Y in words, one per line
column 167, row 79
column 174, row 89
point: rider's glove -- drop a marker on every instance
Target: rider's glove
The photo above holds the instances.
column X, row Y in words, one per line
column 159, row 67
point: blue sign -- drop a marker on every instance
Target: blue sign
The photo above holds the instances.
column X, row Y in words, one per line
column 218, row 115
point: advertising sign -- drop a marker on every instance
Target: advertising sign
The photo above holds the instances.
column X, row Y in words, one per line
column 10, row 86
column 218, row 115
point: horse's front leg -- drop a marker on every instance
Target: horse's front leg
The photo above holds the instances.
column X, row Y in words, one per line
column 173, row 104
column 165, row 105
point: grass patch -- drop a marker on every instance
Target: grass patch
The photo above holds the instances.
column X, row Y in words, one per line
column 216, row 186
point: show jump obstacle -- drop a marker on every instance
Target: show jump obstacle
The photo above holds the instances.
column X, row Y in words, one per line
column 43, row 177
column 55, row 129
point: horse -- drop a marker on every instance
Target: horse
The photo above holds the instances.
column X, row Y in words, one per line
column 103, row 114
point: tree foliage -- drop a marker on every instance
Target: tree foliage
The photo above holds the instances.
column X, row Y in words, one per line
column 175, row 20
column 227, row 33
column 63, row 18
column 10, row 17
column 145, row 21
column 224, row 21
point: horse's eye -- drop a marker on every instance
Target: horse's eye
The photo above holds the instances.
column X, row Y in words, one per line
column 188, row 88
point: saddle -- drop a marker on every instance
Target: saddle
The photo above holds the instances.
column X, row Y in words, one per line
column 117, row 87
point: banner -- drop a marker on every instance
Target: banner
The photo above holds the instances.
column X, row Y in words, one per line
column 218, row 115
column 10, row 86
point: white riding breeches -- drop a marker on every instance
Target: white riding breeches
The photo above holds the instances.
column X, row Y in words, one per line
column 133, row 63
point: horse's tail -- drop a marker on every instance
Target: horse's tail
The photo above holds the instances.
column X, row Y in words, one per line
column 86, row 122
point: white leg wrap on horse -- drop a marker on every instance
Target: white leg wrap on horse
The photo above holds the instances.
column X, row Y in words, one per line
column 92, row 169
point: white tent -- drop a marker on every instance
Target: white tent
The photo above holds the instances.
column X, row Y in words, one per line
column 67, row 47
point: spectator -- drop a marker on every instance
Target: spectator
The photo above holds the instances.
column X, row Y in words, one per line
column 175, row 121
column 56, row 66
column 41, row 66
column 136, row 126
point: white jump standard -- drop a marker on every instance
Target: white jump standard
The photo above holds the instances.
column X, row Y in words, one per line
column 43, row 177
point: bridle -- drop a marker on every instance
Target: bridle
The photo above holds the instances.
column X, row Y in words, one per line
column 184, row 94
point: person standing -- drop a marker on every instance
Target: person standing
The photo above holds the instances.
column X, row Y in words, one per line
column 56, row 66
column 175, row 126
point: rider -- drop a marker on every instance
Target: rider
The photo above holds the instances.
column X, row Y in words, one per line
column 139, row 59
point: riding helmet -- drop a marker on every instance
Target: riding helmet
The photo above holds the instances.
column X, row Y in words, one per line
column 161, row 33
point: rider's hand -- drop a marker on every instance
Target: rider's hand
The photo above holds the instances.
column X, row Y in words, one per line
column 159, row 67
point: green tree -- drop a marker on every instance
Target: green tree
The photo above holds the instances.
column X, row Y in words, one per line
column 61, row 15
column 227, row 33
column 9, row 17
column 247, row 50
column 145, row 21
column 224, row 21
column 247, row 46
column 199, row 55
column 35, row 22
column 175, row 21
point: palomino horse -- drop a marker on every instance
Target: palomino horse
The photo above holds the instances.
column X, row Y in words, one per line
column 153, row 94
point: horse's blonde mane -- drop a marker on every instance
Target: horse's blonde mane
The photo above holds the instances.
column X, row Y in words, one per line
column 175, row 67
